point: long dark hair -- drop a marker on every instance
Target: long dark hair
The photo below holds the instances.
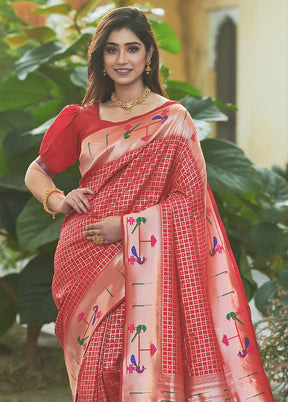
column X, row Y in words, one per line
column 100, row 87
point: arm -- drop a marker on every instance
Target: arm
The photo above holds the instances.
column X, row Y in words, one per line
column 38, row 182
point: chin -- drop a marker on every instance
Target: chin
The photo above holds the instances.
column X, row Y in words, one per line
column 127, row 81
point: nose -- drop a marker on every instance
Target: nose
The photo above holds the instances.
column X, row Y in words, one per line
column 122, row 59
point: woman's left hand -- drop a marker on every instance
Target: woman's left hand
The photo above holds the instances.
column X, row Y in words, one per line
column 110, row 229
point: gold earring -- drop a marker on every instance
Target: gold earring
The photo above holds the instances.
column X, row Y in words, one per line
column 148, row 68
column 104, row 72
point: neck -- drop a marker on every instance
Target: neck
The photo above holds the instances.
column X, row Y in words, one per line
column 128, row 93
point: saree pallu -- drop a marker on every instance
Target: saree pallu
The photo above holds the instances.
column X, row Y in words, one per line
column 162, row 315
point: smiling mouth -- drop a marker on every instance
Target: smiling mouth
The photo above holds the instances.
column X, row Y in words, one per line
column 122, row 70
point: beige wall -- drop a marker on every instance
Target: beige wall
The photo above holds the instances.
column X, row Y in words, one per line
column 262, row 68
column 263, row 81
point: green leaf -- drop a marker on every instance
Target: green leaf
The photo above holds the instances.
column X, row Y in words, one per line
column 3, row 162
column 16, row 39
column 73, row 49
column 164, row 72
column 238, row 217
column 48, row 110
column 283, row 277
column 262, row 296
column 274, row 184
column 13, row 181
column 241, row 258
column 17, row 94
column 11, row 204
column 42, row 128
column 36, row 303
column 65, row 87
column 249, row 284
column 91, row 5
column 204, row 109
column 79, row 77
column 166, row 37
column 18, row 165
column 14, row 119
column 180, row 89
column 35, row 227
column 203, row 129
column 228, row 169
column 40, row 34
column 69, row 179
column 96, row 12
column 48, row 53
column 270, row 290
column 275, row 214
column 33, row 58
column 8, row 309
column 228, row 106
column 268, row 240
column 15, row 142
column 61, row 8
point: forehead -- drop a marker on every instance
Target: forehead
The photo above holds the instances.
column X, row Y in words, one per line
column 122, row 36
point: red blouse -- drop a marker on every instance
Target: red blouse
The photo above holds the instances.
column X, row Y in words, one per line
column 61, row 145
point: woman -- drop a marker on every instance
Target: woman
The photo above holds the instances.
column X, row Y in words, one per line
column 151, row 307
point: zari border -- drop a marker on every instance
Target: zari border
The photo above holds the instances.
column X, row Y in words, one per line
column 142, row 377
column 231, row 314
column 105, row 293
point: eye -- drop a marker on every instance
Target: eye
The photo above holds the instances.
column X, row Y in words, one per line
column 110, row 50
column 133, row 49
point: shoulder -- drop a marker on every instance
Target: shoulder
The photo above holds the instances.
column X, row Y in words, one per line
column 73, row 109
column 78, row 110
column 176, row 107
column 172, row 106
column 78, row 114
column 68, row 114
column 178, row 112
column 180, row 121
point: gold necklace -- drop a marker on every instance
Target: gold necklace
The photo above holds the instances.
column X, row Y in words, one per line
column 127, row 106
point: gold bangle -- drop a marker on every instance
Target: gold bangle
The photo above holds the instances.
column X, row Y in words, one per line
column 45, row 197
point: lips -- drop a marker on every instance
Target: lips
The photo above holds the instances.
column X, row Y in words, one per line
column 123, row 71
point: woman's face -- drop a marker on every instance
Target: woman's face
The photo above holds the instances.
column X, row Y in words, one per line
column 124, row 57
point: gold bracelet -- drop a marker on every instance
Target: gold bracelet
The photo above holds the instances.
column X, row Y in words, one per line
column 45, row 197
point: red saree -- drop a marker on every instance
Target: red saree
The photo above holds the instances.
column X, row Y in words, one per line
column 161, row 316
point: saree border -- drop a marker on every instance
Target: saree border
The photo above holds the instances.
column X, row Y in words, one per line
column 231, row 314
column 101, row 298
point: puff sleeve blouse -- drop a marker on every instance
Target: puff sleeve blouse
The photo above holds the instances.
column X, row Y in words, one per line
column 61, row 144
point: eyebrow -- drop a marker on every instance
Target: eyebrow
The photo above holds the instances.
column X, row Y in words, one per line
column 126, row 44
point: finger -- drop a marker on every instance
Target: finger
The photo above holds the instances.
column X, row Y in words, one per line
column 80, row 195
column 87, row 190
column 82, row 199
column 94, row 226
column 73, row 204
column 91, row 238
column 92, row 232
column 76, row 202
